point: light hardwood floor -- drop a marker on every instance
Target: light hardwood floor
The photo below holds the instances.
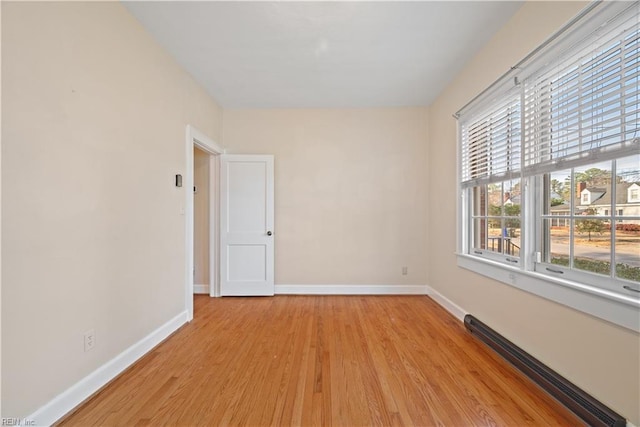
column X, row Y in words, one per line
column 321, row 360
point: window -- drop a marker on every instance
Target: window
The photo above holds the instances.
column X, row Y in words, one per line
column 592, row 240
column 585, row 198
column 549, row 163
column 496, row 220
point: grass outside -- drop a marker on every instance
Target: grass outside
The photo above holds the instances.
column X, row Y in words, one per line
column 623, row 271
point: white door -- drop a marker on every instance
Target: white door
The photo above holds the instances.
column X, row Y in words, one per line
column 246, row 225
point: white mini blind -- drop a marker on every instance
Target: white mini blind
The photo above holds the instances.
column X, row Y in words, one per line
column 490, row 143
column 584, row 107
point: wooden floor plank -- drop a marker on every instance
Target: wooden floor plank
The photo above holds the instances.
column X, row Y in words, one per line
column 321, row 360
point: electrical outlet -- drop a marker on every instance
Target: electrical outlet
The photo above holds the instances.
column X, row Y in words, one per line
column 89, row 340
column 405, row 271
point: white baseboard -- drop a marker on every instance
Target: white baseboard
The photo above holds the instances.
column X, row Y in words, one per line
column 447, row 304
column 351, row 289
column 83, row 389
column 201, row 289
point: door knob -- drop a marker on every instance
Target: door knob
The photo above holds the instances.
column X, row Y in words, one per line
column 269, row 233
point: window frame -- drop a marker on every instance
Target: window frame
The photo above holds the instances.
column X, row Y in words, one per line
column 609, row 300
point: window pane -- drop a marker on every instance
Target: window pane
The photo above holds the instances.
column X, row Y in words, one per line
column 558, row 242
column 479, row 240
column 494, row 239
column 628, row 187
column 558, row 221
column 592, row 246
column 593, row 189
column 479, row 201
column 511, row 237
column 494, row 192
column 558, row 193
column 628, row 251
column 512, row 198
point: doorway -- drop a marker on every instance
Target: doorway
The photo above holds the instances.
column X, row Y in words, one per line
column 202, row 185
column 205, row 152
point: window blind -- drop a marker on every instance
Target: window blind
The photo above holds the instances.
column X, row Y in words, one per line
column 571, row 102
column 491, row 144
column 584, row 108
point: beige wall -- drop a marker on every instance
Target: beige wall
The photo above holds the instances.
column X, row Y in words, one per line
column 601, row 358
column 94, row 117
column 201, row 217
column 350, row 191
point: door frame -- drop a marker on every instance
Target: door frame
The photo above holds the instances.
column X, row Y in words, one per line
column 197, row 139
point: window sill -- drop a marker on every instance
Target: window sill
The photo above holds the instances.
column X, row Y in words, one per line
column 616, row 308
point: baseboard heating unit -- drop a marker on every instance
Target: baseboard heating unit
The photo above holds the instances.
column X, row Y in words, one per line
column 592, row 411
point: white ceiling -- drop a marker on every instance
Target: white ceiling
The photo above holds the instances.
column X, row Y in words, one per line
column 281, row 54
